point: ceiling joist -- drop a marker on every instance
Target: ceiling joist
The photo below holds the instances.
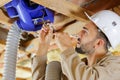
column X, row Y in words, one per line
column 65, row 7
column 117, row 10
column 5, row 19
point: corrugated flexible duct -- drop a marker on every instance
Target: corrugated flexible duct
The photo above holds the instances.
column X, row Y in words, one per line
column 10, row 57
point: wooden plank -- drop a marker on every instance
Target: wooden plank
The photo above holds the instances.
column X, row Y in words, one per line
column 2, row 47
column 0, row 76
column 118, row 6
column 24, row 73
column 98, row 5
column 5, row 19
column 23, row 79
column 63, row 23
column 3, row 35
column 64, row 7
column 3, row 2
column 4, row 26
column 117, row 10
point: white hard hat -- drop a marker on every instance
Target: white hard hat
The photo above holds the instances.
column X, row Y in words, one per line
column 109, row 23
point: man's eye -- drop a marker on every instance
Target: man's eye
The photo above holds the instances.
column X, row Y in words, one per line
column 84, row 32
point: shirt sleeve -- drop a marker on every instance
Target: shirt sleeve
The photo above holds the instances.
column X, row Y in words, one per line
column 75, row 69
column 38, row 67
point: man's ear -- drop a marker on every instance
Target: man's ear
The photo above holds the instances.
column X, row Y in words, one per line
column 99, row 43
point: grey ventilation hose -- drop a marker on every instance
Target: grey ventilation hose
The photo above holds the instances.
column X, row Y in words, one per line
column 10, row 57
column 53, row 71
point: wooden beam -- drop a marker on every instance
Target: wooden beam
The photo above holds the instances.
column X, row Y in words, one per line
column 118, row 6
column 23, row 72
column 2, row 47
column 22, row 56
column 23, row 79
column 98, row 5
column 3, row 35
column 63, row 23
column 117, row 10
column 0, row 76
column 24, row 68
column 3, row 2
column 64, row 7
column 4, row 19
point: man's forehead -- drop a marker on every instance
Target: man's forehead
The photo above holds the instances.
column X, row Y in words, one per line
column 90, row 26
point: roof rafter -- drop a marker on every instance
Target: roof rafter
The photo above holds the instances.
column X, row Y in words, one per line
column 65, row 7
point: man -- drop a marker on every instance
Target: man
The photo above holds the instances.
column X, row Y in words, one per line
column 94, row 40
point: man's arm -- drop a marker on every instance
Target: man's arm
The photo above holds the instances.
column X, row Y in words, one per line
column 39, row 61
column 38, row 67
column 75, row 69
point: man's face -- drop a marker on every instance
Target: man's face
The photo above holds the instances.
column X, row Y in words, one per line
column 86, row 40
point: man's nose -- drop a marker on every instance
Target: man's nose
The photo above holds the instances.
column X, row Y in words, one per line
column 79, row 39
column 80, row 35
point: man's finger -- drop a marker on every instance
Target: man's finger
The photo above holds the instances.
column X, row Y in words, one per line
column 45, row 29
column 50, row 34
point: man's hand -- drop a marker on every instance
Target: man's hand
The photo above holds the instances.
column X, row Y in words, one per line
column 45, row 36
column 63, row 41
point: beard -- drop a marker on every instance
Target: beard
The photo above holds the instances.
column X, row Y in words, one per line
column 80, row 50
column 85, row 48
